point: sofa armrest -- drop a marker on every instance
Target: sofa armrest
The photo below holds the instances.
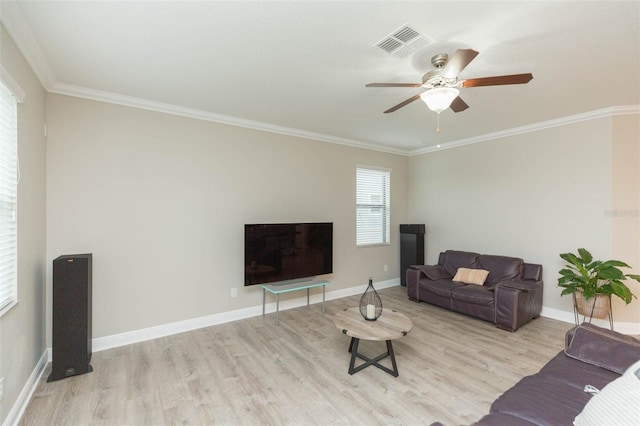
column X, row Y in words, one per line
column 601, row 347
column 433, row 272
column 517, row 302
column 413, row 276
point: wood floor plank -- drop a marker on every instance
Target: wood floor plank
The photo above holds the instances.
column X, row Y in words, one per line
column 252, row 372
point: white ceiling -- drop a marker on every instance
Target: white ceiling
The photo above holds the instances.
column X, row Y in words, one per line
column 300, row 67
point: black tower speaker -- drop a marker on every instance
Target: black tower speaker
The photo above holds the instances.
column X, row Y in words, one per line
column 411, row 249
column 71, row 316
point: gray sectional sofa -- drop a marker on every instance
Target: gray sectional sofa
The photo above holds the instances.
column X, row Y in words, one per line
column 594, row 381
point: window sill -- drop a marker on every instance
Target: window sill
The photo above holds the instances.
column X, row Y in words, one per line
column 373, row 245
column 8, row 308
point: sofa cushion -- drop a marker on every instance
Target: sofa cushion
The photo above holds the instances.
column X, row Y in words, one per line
column 618, row 403
column 475, row 294
column 577, row 374
column 542, row 400
column 455, row 259
column 601, row 347
column 500, row 268
column 439, row 287
column 471, row 276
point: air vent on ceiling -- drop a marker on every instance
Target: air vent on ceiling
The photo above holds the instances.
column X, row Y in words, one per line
column 404, row 41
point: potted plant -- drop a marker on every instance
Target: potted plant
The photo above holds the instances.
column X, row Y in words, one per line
column 586, row 279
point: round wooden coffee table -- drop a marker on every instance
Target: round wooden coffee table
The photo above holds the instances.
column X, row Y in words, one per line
column 389, row 326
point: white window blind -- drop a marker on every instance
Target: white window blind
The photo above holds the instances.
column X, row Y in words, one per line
column 8, row 198
column 373, row 196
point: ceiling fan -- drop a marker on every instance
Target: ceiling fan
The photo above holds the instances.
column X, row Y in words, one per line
column 442, row 83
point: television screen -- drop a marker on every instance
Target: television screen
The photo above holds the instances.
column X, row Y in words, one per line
column 286, row 251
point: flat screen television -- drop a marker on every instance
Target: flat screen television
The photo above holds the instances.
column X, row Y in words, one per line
column 275, row 252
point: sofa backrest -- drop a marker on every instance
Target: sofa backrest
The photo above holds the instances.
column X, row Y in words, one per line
column 454, row 259
column 501, row 268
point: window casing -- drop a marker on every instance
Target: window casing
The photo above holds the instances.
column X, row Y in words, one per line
column 373, row 206
column 8, row 199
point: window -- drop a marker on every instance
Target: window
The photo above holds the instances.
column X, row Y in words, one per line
column 8, row 198
column 372, row 206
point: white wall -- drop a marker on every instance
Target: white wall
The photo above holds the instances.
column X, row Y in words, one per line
column 533, row 196
column 22, row 329
column 161, row 202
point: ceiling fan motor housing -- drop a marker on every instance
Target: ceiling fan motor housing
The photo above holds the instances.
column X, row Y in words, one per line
column 439, row 60
column 434, row 78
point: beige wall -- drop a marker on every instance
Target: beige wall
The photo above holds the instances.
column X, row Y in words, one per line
column 534, row 196
column 625, row 204
column 161, row 202
column 22, row 329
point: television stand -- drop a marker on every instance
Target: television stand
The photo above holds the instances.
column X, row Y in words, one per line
column 286, row 288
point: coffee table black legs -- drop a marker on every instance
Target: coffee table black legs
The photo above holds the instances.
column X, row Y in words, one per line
column 353, row 349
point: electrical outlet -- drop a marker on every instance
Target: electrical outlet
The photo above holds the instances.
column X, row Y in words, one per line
column 1, row 388
column 234, row 292
column 386, row 268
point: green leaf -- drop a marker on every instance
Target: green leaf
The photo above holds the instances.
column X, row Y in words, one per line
column 610, row 273
column 567, row 272
column 594, row 265
column 569, row 284
column 634, row 277
column 605, row 289
column 572, row 259
column 622, row 291
column 585, row 255
column 589, row 292
column 617, row 263
column 566, row 281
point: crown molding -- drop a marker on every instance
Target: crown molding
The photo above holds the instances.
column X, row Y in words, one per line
column 536, row 127
column 17, row 27
column 12, row 84
column 97, row 95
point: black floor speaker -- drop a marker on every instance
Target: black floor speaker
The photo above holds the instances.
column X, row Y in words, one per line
column 71, row 340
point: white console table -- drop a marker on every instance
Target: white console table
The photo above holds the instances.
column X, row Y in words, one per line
column 286, row 288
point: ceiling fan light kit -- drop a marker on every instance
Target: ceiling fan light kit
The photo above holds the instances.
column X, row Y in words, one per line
column 440, row 98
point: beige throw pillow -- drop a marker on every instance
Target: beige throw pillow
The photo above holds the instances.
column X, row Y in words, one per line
column 471, row 276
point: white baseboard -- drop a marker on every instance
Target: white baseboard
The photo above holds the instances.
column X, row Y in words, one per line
column 620, row 327
column 17, row 411
column 137, row 336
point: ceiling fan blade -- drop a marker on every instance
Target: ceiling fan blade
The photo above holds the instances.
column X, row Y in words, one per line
column 498, row 80
column 458, row 105
column 403, row 103
column 458, row 62
column 394, row 85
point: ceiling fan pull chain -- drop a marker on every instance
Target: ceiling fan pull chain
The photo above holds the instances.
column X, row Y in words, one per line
column 438, row 125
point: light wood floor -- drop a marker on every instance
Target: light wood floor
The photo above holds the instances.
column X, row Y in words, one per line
column 252, row 372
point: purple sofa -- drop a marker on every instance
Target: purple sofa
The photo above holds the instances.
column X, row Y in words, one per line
column 593, row 358
column 510, row 296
